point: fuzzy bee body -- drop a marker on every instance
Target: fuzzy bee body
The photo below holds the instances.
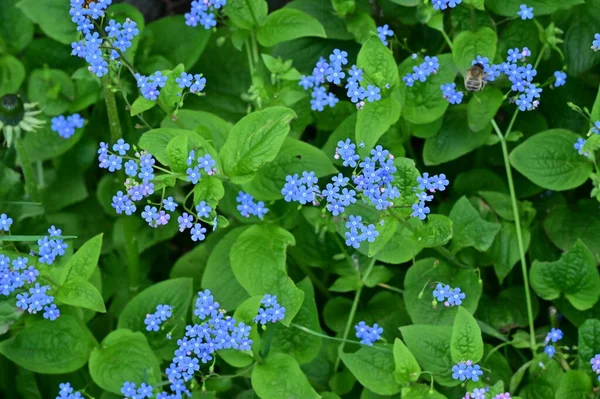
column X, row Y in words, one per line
column 475, row 79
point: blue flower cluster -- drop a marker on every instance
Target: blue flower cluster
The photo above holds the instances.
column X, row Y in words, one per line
column 520, row 77
column 595, row 362
column 450, row 296
column 38, row 299
column 560, row 78
column 478, row 393
column 5, row 222
column 358, row 232
column 94, row 49
column 596, row 42
column 427, row 184
column 51, row 248
column 449, row 93
column 154, row 320
column 65, row 127
column 129, row 390
column 16, row 276
column 195, row 83
column 196, row 165
column 420, row 73
column 66, row 392
column 466, row 371
column 270, row 311
column 332, row 72
column 553, row 336
column 366, row 334
column 443, row 4
column 383, row 32
column 246, row 206
column 581, row 142
column 202, row 12
column 214, row 331
column 150, row 85
column 525, row 12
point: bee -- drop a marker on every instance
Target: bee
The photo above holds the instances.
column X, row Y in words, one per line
column 86, row 3
column 475, row 79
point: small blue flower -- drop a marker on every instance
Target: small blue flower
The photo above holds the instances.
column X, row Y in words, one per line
column 193, row 175
column 5, row 222
column 526, row 12
column 420, row 210
column 554, row 335
column 185, row 80
column 197, row 232
column 185, row 221
column 170, row 204
column 203, row 209
column 561, row 78
column 596, row 42
column 449, row 93
column 455, row 297
column 549, row 350
column 383, row 32
column 367, row 334
column 121, row 147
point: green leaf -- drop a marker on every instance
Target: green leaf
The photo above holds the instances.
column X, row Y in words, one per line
column 155, row 141
column 294, row 157
column 483, row 107
column 343, row 7
column 426, row 273
column 574, row 385
column 507, row 310
column 120, row 13
column 436, row 231
column 548, row 160
column 386, row 232
column 141, row 104
column 323, row 11
column 258, row 263
column 375, row 119
column 53, row 18
column 374, row 369
column 421, row 391
column 466, row 343
column 53, row 89
column 219, row 277
column 469, row 44
column 378, row 65
column 209, row 189
column 12, row 74
column 288, row 24
column 51, row 347
column 470, row 229
column 170, row 95
column 164, row 37
column 362, row 26
column 509, row 8
column 478, row 4
column 423, row 102
column 83, row 262
column 123, row 356
column 176, row 293
column 246, row 14
column 454, row 139
column 574, row 274
column 407, row 368
column 505, row 249
column 379, row 274
column 177, row 153
column 15, row 28
column 588, row 341
column 568, row 223
column 81, row 293
column 280, row 376
column 346, row 284
column 303, row 346
column 215, row 129
column 254, row 141
column 430, row 346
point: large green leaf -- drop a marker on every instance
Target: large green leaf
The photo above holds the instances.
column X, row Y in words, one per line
column 588, row 342
column 84, row 261
column 549, row 160
column 574, row 385
column 53, row 89
column 454, row 139
column 215, row 128
column 466, row 343
column 373, row 368
column 509, row 8
column 258, row 263
column 53, row 18
column 505, row 249
column 574, row 275
column 423, row 102
column 407, row 367
column 123, row 356
column 80, row 293
column 12, row 74
column 279, row 377
column 295, row 156
column 374, row 120
column 254, row 141
column 288, row 24
column 15, row 28
column 51, row 347
column 483, row 107
column 427, row 273
column 378, row 64
column 246, row 14
column 470, row 229
column 469, row 44
column 507, row 310
column 430, row 346
column 303, row 346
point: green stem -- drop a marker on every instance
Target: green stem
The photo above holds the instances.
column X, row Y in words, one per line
column 254, row 47
column 515, row 208
column 112, row 111
column 249, row 54
column 31, row 185
column 352, row 313
column 391, row 288
column 40, row 173
column 448, row 41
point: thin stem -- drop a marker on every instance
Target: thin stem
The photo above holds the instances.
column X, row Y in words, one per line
column 515, row 207
column 389, row 287
column 111, row 109
column 447, row 39
column 495, row 349
column 352, row 313
column 40, row 173
column 254, row 47
column 249, row 54
column 317, row 334
column 31, row 185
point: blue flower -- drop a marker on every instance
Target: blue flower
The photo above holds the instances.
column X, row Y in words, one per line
column 443, row 4
column 193, row 174
column 449, row 93
column 185, row 221
column 131, row 168
column 5, row 222
column 595, row 362
column 441, row 292
column 514, row 55
column 372, row 93
column 121, row 147
column 383, row 32
column 596, row 42
column 367, row 334
column 596, row 128
column 270, row 311
column 420, row 210
column 51, row 312
column 370, row 233
column 247, row 206
column 526, row 12
column 197, row 232
column 207, row 163
column 549, row 350
column 554, row 335
column 579, row 146
column 65, row 126
column 203, row 209
column 561, row 78
column 459, row 371
column 185, row 80
column 339, row 57
column 455, row 297
column 353, row 237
